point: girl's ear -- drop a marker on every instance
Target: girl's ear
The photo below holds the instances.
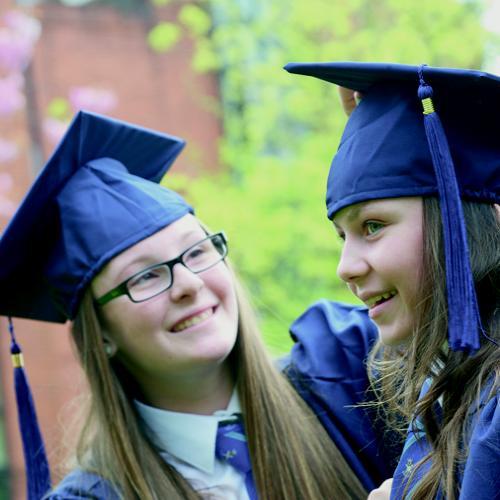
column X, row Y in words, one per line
column 349, row 99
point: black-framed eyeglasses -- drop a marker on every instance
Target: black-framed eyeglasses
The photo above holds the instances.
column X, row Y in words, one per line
column 154, row 280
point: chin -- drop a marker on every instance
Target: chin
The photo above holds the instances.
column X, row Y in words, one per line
column 218, row 348
column 393, row 337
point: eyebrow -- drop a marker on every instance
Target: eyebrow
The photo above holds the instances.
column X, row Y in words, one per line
column 146, row 260
column 127, row 271
column 352, row 213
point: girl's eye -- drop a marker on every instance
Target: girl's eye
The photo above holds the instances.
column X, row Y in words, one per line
column 143, row 279
column 200, row 251
column 340, row 234
column 148, row 276
column 196, row 252
column 372, row 227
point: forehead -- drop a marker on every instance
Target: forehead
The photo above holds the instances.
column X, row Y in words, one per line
column 160, row 246
column 405, row 205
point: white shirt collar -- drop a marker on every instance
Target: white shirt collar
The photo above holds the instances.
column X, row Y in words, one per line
column 187, row 436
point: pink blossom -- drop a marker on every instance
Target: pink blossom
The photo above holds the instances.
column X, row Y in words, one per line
column 8, row 152
column 11, row 92
column 54, row 129
column 15, row 51
column 24, row 25
column 6, row 182
column 7, row 207
column 17, row 39
column 92, row 99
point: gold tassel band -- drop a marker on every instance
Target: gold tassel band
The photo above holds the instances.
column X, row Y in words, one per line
column 428, row 106
column 17, row 360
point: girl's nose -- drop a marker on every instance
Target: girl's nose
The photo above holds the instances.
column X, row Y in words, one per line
column 353, row 263
column 185, row 283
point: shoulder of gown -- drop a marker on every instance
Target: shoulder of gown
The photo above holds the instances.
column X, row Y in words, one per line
column 327, row 366
column 332, row 340
column 79, row 485
column 481, row 477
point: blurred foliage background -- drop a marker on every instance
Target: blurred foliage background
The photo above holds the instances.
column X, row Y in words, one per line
column 281, row 130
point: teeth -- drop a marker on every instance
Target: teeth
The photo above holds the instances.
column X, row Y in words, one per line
column 194, row 320
column 377, row 298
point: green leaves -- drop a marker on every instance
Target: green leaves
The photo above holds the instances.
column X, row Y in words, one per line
column 195, row 19
column 163, row 36
column 59, row 108
column 281, row 130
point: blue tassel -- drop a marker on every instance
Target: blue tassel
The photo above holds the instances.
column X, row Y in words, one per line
column 463, row 312
column 35, row 459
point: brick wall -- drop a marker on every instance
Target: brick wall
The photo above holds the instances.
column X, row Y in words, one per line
column 100, row 47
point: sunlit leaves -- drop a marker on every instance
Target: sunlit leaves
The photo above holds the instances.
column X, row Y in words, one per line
column 281, row 130
column 160, row 3
column 58, row 108
column 205, row 58
column 163, row 36
column 196, row 20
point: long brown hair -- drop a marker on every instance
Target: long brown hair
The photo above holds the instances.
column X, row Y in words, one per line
column 458, row 380
column 292, row 456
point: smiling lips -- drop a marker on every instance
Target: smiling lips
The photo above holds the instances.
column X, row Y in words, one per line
column 379, row 299
column 376, row 303
column 193, row 320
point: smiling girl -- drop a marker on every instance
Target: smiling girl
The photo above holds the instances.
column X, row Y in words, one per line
column 185, row 402
column 414, row 197
column 381, row 261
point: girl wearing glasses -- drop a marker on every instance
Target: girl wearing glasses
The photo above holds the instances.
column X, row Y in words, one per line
column 414, row 197
column 185, row 402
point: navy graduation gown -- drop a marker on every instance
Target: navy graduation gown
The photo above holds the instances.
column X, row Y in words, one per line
column 479, row 478
column 79, row 485
column 327, row 367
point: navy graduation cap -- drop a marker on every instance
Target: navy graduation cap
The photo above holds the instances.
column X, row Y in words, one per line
column 92, row 200
column 97, row 195
column 421, row 131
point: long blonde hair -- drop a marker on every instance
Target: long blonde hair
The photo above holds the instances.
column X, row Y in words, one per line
column 458, row 381
column 292, row 455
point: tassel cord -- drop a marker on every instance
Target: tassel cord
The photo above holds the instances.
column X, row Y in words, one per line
column 464, row 320
column 37, row 466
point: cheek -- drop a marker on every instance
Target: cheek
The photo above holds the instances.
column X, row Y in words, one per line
column 352, row 287
column 125, row 324
column 416, row 251
column 412, row 265
column 221, row 283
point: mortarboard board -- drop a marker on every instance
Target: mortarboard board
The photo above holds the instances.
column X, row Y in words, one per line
column 93, row 199
column 97, row 195
column 393, row 148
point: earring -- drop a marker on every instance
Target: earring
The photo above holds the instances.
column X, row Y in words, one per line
column 109, row 349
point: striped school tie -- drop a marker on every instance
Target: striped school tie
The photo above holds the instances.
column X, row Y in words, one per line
column 231, row 447
column 415, row 449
